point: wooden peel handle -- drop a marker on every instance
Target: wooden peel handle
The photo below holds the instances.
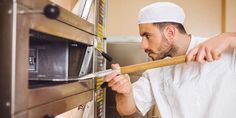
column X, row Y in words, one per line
column 153, row 64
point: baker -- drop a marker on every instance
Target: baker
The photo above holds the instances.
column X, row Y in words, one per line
column 202, row 89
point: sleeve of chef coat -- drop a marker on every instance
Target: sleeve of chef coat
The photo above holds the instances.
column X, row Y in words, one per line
column 143, row 95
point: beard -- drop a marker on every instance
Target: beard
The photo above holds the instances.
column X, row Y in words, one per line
column 166, row 50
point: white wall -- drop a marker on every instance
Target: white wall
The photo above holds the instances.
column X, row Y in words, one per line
column 203, row 16
column 230, row 15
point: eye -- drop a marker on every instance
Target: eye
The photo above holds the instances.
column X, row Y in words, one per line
column 147, row 36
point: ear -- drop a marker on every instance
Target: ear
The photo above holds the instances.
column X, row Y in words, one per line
column 170, row 32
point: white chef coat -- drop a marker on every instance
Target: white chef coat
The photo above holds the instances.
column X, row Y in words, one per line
column 190, row 91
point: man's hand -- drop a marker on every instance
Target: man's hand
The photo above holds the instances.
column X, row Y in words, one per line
column 119, row 83
column 211, row 49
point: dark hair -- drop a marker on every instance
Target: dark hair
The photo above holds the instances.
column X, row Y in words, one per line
column 179, row 26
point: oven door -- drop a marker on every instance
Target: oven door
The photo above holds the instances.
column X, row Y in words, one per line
column 37, row 60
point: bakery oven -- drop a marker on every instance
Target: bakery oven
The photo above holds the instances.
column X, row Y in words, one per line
column 54, row 60
column 40, row 53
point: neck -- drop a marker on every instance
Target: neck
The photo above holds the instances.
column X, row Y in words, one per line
column 181, row 44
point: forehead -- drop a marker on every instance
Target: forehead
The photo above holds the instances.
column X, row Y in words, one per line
column 147, row 27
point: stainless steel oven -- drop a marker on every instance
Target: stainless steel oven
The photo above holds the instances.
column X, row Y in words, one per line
column 36, row 50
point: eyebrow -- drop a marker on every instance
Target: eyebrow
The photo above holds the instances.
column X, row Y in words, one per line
column 145, row 33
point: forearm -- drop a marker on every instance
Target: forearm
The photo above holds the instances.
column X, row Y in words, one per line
column 125, row 104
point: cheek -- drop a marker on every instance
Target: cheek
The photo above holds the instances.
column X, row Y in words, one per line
column 166, row 45
column 155, row 44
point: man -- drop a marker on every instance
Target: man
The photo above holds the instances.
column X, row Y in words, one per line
column 193, row 90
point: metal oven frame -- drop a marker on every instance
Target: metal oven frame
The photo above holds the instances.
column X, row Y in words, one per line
column 17, row 100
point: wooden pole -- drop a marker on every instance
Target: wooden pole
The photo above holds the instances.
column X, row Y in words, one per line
column 153, row 64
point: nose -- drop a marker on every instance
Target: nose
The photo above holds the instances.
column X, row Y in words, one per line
column 144, row 43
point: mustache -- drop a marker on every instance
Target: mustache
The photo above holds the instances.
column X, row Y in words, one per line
column 149, row 51
column 161, row 55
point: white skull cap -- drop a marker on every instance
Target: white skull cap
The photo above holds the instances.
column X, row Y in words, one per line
column 161, row 12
